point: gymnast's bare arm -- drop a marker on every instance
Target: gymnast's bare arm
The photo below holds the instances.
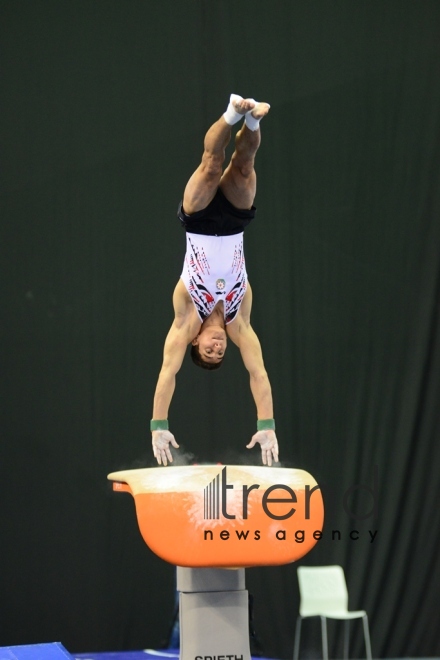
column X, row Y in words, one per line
column 242, row 334
column 183, row 329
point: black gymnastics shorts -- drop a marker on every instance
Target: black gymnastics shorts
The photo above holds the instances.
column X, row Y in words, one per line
column 219, row 218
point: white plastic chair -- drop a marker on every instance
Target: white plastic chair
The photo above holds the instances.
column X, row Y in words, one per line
column 323, row 593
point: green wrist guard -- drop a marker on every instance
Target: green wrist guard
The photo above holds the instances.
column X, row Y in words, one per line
column 159, row 425
column 265, row 425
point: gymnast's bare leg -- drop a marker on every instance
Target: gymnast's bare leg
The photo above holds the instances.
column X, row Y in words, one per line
column 238, row 182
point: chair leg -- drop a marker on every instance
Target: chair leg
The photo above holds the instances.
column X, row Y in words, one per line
column 324, row 637
column 346, row 638
column 297, row 638
column 367, row 637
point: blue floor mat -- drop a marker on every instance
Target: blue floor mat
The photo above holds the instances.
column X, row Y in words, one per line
column 148, row 654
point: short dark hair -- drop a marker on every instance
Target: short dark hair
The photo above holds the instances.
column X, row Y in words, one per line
column 197, row 359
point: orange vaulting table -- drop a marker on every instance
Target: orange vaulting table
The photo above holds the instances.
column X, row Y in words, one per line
column 208, row 518
column 225, row 516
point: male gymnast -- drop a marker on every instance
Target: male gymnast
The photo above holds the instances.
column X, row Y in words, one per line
column 213, row 298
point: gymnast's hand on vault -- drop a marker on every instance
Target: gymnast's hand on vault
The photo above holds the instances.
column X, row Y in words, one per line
column 161, row 446
column 269, row 446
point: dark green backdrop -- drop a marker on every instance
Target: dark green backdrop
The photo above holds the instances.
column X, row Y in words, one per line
column 104, row 105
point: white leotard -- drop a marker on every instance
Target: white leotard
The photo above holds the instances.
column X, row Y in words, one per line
column 214, row 269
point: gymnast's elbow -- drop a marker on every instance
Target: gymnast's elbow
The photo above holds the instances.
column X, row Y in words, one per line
column 258, row 376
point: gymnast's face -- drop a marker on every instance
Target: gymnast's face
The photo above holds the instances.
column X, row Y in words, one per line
column 212, row 343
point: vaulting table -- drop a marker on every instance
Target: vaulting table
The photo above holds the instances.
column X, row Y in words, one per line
column 208, row 518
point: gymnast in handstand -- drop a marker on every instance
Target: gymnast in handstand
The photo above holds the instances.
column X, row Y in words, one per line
column 213, row 298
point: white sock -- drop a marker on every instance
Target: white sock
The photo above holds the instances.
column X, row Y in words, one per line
column 231, row 115
column 250, row 121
